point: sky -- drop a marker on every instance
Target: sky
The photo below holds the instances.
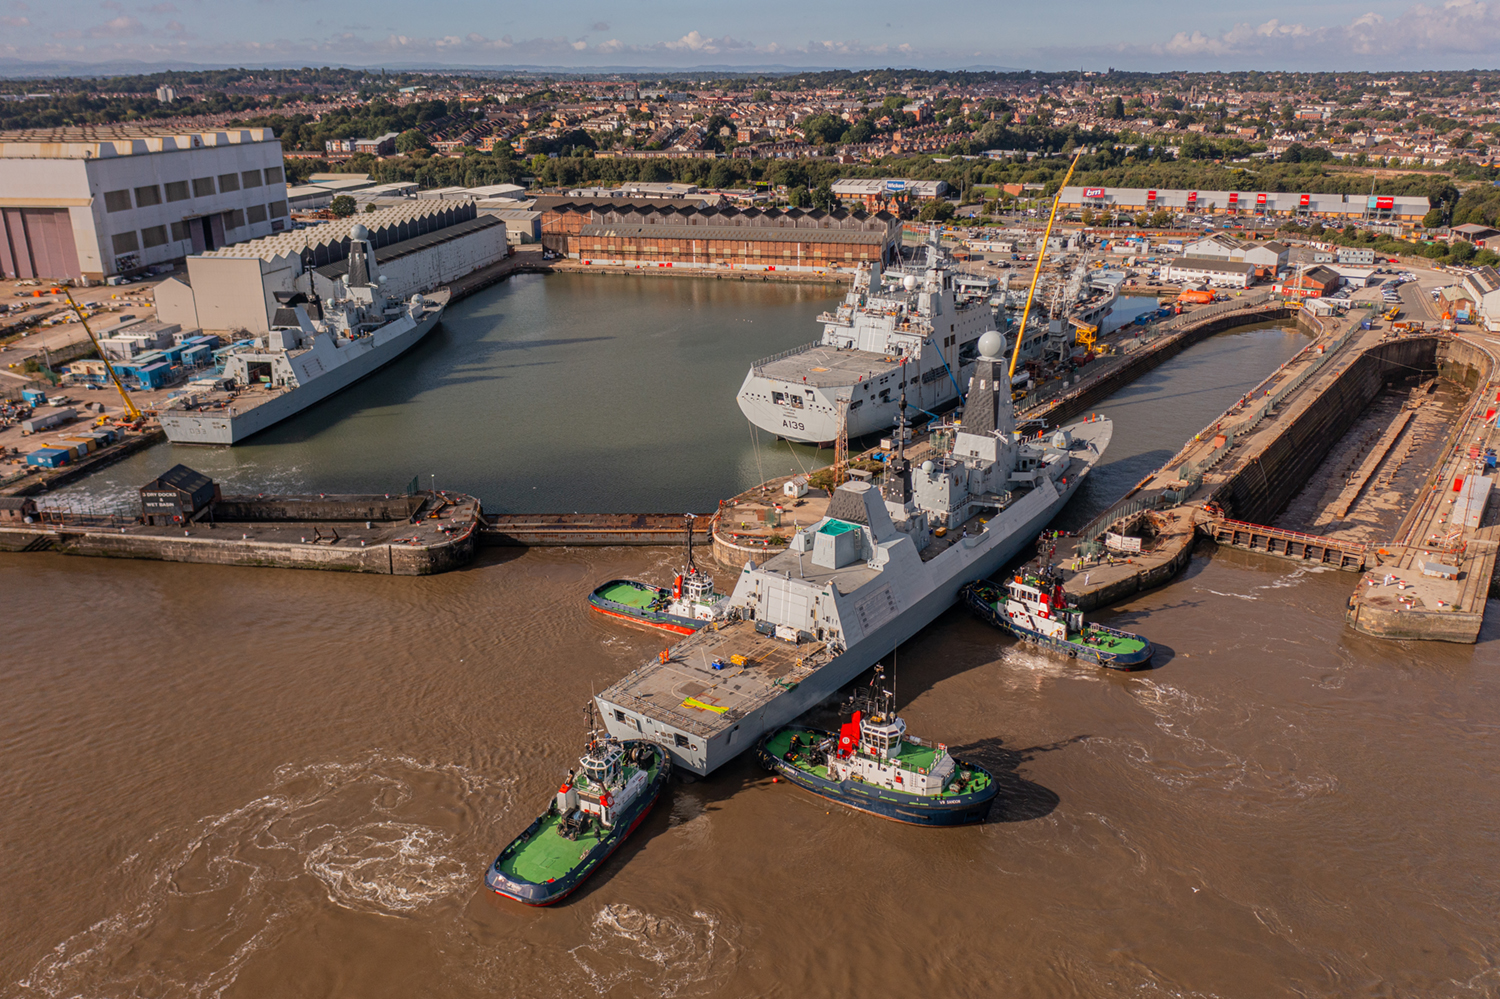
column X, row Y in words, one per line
column 676, row 34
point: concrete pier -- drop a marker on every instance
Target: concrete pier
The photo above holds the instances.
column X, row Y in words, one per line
column 402, row 536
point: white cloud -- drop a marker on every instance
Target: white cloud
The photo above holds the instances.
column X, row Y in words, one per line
column 1454, row 27
column 15, row 22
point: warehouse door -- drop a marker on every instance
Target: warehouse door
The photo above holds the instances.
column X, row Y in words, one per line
column 37, row 243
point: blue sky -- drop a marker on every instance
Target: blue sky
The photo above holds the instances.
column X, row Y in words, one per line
column 675, row 34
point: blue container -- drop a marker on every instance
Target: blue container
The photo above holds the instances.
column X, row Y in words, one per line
column 48, row 457
column 34, row 397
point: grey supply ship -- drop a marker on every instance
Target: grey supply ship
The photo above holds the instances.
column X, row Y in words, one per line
column 922, row 332
column 876, row 569
column 304, row 360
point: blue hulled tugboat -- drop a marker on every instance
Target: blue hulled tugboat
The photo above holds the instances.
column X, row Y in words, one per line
column 873, row 765
column 690, row 604
column 593, row 812
column 1033, row 607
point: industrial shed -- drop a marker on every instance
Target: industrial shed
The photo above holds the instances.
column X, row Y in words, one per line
column 177, row 496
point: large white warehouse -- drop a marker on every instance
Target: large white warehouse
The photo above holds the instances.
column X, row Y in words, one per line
column 88, row 202
column 419, row 246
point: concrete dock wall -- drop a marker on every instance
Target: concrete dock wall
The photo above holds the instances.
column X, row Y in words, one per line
column 1266, row 484
column 307, row 509
column 389, row 560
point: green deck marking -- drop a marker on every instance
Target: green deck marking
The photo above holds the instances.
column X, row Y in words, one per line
column 630, row 596
column 548, row 855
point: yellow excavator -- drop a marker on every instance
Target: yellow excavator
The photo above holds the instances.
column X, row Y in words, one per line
column 134, row 418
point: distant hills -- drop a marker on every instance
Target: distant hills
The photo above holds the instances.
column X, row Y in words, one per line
column 43, row 69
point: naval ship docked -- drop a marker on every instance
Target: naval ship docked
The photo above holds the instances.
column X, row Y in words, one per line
column 878, row 567
column 304, row 360
column 921, row 332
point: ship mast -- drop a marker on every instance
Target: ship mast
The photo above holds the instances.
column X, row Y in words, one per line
column 688, row 519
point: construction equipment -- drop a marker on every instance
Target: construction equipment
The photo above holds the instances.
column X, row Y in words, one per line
column 841, row 446
column 134, row 417
column 1087, row 335
column 1041, row 254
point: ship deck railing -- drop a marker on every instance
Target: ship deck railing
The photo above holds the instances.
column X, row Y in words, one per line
column 758, row 365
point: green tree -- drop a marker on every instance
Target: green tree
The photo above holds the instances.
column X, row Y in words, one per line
column 1161, row 218
column 822, row 197
column 936, row 210
column 799, row 197
column 761, row 96
column 411, row 140
column 1433, row 219
column 343, row 206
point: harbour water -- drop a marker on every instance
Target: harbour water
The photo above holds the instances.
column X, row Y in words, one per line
column 554, row 392
column 244, row 782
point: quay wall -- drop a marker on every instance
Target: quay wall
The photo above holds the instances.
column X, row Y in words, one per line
column 389, row 560
column 1262, row 488
column 308, row 509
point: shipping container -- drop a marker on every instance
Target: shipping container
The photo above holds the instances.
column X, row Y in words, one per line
column 48, row 457
column 56, row 419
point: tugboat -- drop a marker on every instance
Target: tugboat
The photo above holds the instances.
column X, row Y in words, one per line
column 1033, row 607
column 873, row 765
column 690, row 604
column 594, row 810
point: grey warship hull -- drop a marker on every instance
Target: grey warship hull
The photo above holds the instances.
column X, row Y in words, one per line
column 782, row 680
column 235, row 423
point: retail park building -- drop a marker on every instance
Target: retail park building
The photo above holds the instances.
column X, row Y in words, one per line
column 1248, row 204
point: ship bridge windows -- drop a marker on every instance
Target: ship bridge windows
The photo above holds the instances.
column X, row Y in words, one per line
column 680, row 739
column 787, row 399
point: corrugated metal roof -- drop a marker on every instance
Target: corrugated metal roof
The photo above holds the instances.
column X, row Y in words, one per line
column 386, row 254
column 745, row 234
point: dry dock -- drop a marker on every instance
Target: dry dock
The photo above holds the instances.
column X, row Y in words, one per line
column 1426, row 579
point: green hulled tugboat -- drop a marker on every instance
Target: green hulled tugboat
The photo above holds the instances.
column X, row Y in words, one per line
column 873, row 765
column 594, row 810
column 690, row 604
column 1033, row 607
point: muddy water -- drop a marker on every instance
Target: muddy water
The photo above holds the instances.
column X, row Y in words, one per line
column 233, row 782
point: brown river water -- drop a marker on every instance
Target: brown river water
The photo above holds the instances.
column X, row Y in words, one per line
column 245, row 782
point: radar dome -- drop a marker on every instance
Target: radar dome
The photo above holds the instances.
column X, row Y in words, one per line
column 927, row 466
column 359, row 232
column 909, row 282
column 417, row 301
column 991, row 344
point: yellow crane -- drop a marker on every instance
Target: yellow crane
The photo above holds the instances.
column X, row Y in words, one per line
column 1041, row 253
column 132, row 411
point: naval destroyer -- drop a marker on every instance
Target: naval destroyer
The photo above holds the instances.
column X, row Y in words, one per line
column 879, row 566
column 304, row 360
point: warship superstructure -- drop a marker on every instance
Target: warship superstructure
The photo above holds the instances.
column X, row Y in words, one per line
column 313, row 350
column 879, row 566
column 919, row 330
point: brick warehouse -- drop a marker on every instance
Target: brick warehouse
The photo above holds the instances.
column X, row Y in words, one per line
column 656, row 235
